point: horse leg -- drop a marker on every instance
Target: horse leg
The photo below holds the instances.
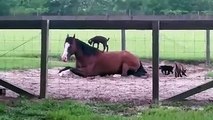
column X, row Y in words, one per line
column 64, row 69
column 138, row 72
column 83, row 71
column 77, row 64
column 125, row 69
column 79, row 71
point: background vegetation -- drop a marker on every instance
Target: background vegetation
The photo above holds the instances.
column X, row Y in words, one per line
column 103, row 7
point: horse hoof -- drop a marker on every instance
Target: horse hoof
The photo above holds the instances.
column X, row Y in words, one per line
column 60, row 74
column 116, row 75
column 147, row 75
column 66, row 72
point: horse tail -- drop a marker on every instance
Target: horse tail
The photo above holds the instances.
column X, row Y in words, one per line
column 141, row 71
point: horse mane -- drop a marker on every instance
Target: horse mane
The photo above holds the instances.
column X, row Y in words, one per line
column 86, row 49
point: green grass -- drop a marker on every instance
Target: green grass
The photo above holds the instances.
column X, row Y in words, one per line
column 175, row 114
column 174, row 45
column 210, row 74
column 8, row 63
column 73, row 110
column 51, row 110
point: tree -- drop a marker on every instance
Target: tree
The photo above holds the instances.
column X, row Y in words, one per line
column 130, row 6
column 5, row 7
column 156, row 7
column 29, row 7
column 62, row 7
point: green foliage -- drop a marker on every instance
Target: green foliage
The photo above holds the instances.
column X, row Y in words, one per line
column 114, row 108
column 62, row 7
column 103, row 7
column 47, row 109
column 2, row 109
column 5, row 7
column 51, row 110
column 163, row 113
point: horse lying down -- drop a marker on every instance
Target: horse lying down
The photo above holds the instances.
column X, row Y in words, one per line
column 92, row 62
column 139, row 73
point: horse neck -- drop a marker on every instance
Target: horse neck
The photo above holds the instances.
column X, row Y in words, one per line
column 79, row 56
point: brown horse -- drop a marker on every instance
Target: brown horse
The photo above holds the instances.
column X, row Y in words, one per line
column 92, row 62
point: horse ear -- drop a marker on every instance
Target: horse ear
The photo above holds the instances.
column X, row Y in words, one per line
column 74, row 36
column 67, row 35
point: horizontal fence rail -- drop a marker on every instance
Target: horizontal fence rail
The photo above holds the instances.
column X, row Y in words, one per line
column 107, row 22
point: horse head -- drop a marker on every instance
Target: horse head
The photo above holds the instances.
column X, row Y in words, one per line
column 69, row 48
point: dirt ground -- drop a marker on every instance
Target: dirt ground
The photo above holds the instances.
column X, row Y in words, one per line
column 110, row 88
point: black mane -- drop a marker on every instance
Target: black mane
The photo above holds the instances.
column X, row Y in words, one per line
column 86, row 49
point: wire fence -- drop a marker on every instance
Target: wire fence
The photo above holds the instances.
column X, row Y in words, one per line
column 21, row 50
column 19, row 54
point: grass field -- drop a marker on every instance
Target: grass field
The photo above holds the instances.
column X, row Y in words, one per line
column 72, row 110
column 21, row 48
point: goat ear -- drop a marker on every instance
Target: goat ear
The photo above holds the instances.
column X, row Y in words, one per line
column 74, row 36
column 67, row 35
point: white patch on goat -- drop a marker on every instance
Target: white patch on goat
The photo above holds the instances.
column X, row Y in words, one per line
column 65, row 53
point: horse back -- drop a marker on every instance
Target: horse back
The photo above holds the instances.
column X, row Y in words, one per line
column 112, row 62
column 130, row 59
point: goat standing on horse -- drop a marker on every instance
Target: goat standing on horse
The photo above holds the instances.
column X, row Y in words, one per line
column 99, row 39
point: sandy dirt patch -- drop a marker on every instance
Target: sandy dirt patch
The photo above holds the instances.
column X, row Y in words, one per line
column 109, row 88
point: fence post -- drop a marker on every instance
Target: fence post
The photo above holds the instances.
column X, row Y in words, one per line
column 208, row 59
column 123, row 40
column 44, row 57
column 155, row 61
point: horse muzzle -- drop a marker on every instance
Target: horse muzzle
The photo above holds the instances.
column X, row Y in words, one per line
column 64, row 59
